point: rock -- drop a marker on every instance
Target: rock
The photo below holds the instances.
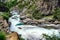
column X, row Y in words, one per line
column 24, row 21
column 23, row 17
column 1, row 19
column 46, row 7
column 57, row 22
column 27, row 20
column 39, row 21
column 34, row 22
column 15, row 10
column 5, row 23
column 12, row 36
column 0, row 28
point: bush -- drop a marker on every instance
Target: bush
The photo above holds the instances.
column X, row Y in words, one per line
column 3, row 7
column 2, row 4
column 54, row 37
column 11, row 3
column 5, row 15
column 57, row 14
column 20, row 38
column 37, row 15
column 2, row 36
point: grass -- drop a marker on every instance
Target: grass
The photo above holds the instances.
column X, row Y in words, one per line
column 2, row 36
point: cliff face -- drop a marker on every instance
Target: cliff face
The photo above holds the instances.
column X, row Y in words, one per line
column 47, row 6
column 3, row 25
column 43, row 6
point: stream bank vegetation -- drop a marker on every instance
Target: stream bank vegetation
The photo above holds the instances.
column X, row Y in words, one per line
column 32, row 9
column 20, row 38
column 2, row 35
column 5, row 15
column 9, row 4
column 53, row 37
column 57, row 14
column 34, row 12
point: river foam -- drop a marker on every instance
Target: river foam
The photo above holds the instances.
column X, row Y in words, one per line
column 30, row 32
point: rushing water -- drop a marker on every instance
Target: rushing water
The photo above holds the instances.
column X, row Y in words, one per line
column 29, row 32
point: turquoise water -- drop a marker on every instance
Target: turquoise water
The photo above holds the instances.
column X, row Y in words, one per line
column 19, row 24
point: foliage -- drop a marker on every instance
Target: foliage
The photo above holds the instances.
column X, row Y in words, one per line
column 2, row 4
column 23, row 4
column 20, row 38
column 32, row 8
column 3, row 7
column 57, row 14
column 2, row 36
column 7, row 5
column 37, row 15
column 5, row 15
column 11, row 3
column 54, row 37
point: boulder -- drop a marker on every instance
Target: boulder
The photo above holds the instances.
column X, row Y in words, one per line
column 12, row 36
column 23, row 17
column 5, row 23
column 27, row 20
column 56, row 22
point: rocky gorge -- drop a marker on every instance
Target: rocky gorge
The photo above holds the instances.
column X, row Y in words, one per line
column 23, row 29
column 34, row 12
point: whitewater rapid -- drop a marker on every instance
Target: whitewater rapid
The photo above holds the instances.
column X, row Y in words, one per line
column 29, row 32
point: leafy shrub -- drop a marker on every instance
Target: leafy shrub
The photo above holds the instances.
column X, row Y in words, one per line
column 2, row 4
column 5, row 15
column 57, row 14
column 54, row 37
column 11, row 3
column 23, row 4
column 37, row 15
column 2, row 36
column 32, row 8
column 3, row 7
column 20, row 38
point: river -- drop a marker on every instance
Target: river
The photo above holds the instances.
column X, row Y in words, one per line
column 29, row 32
